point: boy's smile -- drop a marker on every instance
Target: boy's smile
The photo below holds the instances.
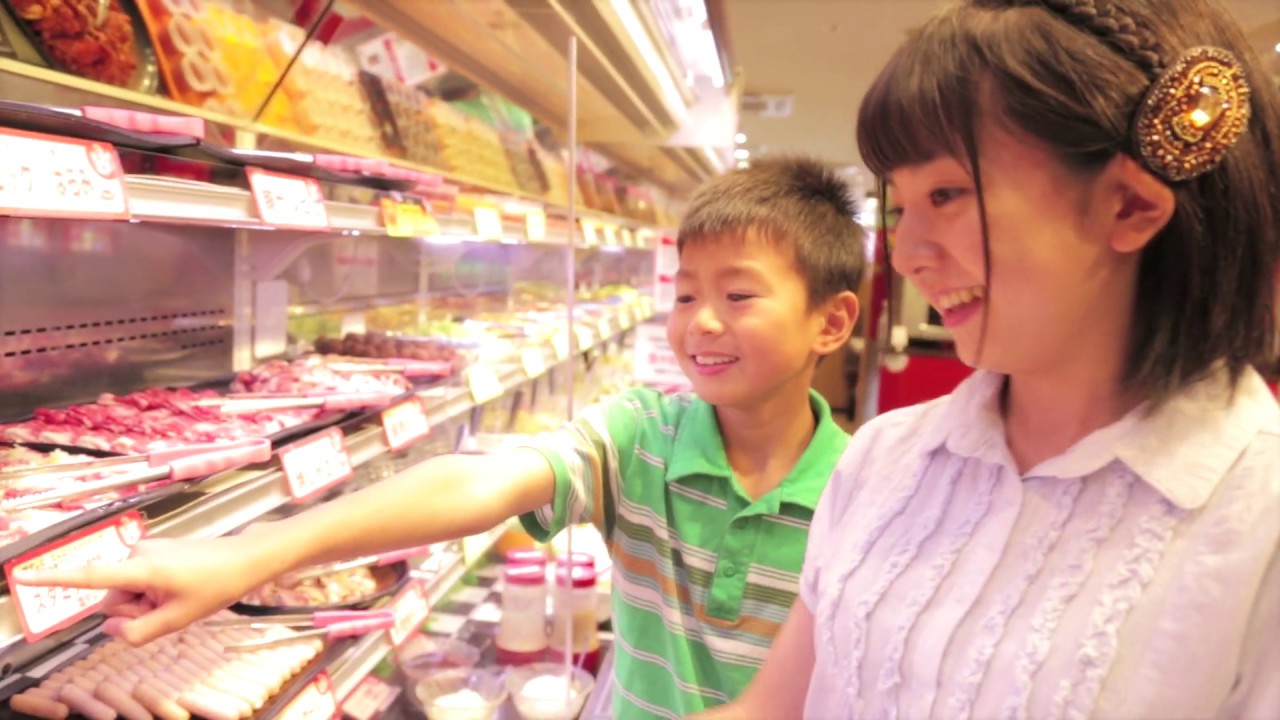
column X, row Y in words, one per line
column 741, row 326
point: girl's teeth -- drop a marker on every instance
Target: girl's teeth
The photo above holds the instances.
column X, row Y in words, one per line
column 705, row 360
column 960, row 297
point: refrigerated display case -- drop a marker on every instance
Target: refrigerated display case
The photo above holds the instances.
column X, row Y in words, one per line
column 219, row 266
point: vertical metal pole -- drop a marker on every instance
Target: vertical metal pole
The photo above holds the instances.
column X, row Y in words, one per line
column 571, row 269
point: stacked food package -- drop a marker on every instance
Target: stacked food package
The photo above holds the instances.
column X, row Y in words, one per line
column 470, row 147
column 90, row 38
column 324, row 89
column 401, row 111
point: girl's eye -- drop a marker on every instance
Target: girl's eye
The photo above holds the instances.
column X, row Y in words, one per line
column 942, row 196
column 739, row 297
column 892, row 217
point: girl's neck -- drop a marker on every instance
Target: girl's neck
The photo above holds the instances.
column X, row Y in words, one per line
column 1046, row 414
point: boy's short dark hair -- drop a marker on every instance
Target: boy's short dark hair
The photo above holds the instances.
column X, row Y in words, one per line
column 796, row 202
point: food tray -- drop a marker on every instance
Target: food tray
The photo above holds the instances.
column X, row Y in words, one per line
column 272, row 708
column 391, row 579
column 52, row 121
column 83, row 519
column 145, row 78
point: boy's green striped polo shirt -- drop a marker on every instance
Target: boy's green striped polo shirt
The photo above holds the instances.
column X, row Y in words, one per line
column 703, row 576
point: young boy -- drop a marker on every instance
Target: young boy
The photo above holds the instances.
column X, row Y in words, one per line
column 705, row 499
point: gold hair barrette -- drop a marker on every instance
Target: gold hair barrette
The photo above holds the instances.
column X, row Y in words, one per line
column 1194, row 112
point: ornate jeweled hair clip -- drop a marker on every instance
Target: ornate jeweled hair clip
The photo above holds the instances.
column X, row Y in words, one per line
column 1192, row 115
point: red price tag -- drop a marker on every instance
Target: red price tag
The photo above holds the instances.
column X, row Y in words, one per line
column 405, row 423
column 314, row 702
column 316, row 464
column 43, row 175
column 369, row 700
column 411, row 609
column 47, row 610
column 288, row 201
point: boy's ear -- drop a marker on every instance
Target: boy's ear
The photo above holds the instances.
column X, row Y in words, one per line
column 1140, row 205
column 839, row 315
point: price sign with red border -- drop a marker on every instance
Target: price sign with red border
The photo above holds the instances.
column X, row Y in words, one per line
column 488, row 222
column 43, row 610
column 405, row 423
column 316, row 464
column 43, row 175
column 410, row 608
column 370, row 699
column 316, row 701
column 288, row 201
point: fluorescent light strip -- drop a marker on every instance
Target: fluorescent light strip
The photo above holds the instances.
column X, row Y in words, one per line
column 644, row 43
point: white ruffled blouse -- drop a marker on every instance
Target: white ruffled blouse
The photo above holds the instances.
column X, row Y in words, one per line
column 1135, row 576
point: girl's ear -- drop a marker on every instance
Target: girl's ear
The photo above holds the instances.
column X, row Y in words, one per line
column 838, row 319
column 1139, row 204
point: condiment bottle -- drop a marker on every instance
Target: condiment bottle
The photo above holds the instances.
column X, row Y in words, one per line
column 576, row 607
column 522, row 631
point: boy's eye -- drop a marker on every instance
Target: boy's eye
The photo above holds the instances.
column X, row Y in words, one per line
column 684, row 299
column 739, row 297
column 942, row 196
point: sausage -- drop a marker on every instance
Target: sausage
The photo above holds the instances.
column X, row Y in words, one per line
column 47, row 689
column 83, row 682
column 211, row 708
column 85, row 704
column 159, row 702
column 217, row 678
column 36, row 705
column 122, row 702
column 225, row 692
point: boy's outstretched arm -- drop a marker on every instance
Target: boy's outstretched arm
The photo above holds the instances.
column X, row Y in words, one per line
column 779, row 689
column 169, row 584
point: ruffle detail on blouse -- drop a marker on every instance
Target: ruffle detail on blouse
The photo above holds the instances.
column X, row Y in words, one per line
column 1075, row 699
column 1063, row 589
column 890, row 509
column 939, row 569
column 994, row 625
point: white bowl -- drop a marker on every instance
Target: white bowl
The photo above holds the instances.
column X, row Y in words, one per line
column 547, row 701
column 461, row 694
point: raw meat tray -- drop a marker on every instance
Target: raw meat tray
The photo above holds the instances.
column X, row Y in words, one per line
column 82, row 519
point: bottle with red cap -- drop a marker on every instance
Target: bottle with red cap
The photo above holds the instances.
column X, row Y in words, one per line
column 574, row 605
column 522, row 631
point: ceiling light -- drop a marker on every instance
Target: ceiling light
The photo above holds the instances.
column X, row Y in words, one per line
column 740, row 138
column 1278, row 47
column 742, row 153
column 644, row 43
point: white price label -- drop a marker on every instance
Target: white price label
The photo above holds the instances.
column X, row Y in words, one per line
column 560, row 345
column 483, row 383
column 535, row 225
column 628, row 238
column 44, row 610
column 604, row 328
column 590, row 236
column 585, row 339
column 288, row 201
column 43, row 175
column 655, row 363
column 611, row 235
column 370, row 699
column 626, row 317
column 488, row 222
column 314, row 702
column 534, row 361
column 316, row 464
column 405, row 423
column 410, row 609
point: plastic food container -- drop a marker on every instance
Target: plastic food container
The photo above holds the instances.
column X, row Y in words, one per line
column 540, row 691
column 463, row 694
column 423, row 655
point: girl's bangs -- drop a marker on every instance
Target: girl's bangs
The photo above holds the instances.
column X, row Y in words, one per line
column 926, row 100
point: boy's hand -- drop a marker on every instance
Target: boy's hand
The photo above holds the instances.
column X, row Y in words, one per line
column 165, row 586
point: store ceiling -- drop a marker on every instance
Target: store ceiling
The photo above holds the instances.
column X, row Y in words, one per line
column 826, row 53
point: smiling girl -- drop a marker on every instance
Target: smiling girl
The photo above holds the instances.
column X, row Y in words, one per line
column 1089, row 193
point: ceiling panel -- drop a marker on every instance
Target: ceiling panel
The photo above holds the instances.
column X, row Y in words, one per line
column 827, row 52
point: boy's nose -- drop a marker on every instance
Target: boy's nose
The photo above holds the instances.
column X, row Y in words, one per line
column 706, row 322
